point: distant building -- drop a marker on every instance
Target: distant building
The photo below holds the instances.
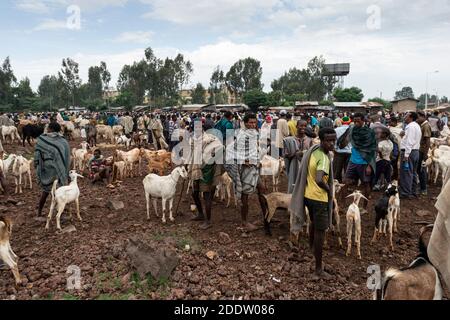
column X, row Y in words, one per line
column 110, row 93
column 404, row 105
column 351, row 107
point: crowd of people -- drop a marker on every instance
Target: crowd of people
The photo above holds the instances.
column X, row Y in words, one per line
column 355, row 149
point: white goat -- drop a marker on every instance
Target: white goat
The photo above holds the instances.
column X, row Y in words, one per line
column 7, row 164
column 124, row 140
column 63, row 196
column 21, row 166
column 354, row 218
column 157, row 187
column 79, row 155
column 224, row 189
column 11, row 132
column 272, row 167
column 7, row 254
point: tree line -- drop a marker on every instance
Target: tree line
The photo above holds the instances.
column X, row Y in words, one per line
column 160, row 81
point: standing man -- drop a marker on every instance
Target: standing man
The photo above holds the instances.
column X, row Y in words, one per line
column 225, row 124
column 51, row 161
column 127, row 123
column 342, row 155
column 423, row 151
column 282, row 131
column 314, row 190
column 362, row 164
column 242, row 164
column 434, row 121
column 294, row 149
column 410, row 157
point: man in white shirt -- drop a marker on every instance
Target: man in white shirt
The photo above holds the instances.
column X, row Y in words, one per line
column 410, row 146
column 342, row 156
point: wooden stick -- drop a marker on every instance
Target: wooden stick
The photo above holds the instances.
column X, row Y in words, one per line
column 181, row 196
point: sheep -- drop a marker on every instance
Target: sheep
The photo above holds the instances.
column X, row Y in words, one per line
column 117, row 130
column 105, row 132
column 131, row 158
column 119, row 171
column 123, row 139
column 354, row 218
column 224, row 189
column 385, row 211
column 63, row 196
column 78, row 156
column 7, row 164
column 11, row 132
column 272, row 167
column 21, row 166
column 7, row 254
column 164, row 188
column 419, row 281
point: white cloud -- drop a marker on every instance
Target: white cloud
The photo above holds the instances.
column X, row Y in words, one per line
column 206, row 12
column 51, row 24
column 47, row 6
column 141, row 37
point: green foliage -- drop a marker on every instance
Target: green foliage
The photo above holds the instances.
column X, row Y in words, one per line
column 386, row 104
column 255, row 99
column 312, row 82
column 405, row 92
column 326, row 103
column 198, row 95
column 274, row 98
column 352, row 94
column 243, row 76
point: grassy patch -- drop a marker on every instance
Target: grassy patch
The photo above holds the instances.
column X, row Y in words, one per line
column 68, row 296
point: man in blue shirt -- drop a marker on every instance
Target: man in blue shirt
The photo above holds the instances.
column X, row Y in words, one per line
column 362, row 164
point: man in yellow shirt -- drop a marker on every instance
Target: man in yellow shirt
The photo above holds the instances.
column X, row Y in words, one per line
column 317, row 196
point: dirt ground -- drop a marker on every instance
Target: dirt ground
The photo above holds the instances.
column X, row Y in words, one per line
column 251, row 266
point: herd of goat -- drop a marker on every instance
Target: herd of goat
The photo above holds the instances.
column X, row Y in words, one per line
column 420, row 279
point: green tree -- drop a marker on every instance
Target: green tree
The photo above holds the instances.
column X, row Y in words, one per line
column 125, row 99
column 313, row 81
column 198, row 95
column 274, row 98
column 243, row 76
column 255, row 99
column 352, row 94
column 444, row 99
column 71, row 80
column 95, row 83
column 51, row 91
column 217, row 84
column 24, row 95
column 7, row 82
column 386, row 104
column 405, row 92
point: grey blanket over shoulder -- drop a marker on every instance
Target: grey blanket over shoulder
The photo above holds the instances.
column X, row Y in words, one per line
column 297, row 207
column 52, row 160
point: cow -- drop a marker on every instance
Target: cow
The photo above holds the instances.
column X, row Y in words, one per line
column 32, row 131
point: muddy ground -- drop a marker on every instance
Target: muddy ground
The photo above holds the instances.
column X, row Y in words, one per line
column 249, row 266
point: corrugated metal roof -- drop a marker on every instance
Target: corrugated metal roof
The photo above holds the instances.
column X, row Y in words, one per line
column 306, row 103
column 349, row 105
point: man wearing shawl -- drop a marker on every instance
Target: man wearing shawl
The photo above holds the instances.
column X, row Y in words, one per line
column 313, row 190
column 205, row 169
column 127, row 123
column 242, row 165
column 294, row 149
column 51, row 161
column 362, row 165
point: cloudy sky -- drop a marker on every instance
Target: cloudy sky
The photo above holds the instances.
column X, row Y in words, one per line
column 389, row 43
